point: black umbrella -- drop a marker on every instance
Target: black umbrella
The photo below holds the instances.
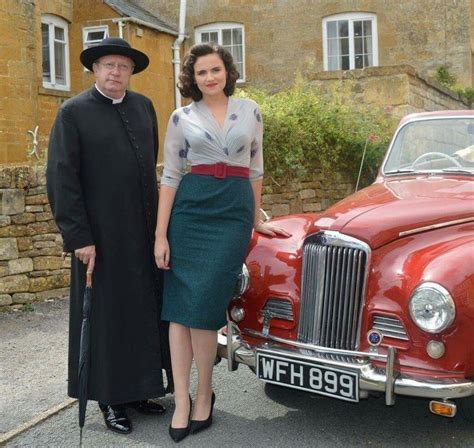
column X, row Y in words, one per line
column 84, row 351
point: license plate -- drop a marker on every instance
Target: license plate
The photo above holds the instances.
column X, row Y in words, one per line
column 300, row 373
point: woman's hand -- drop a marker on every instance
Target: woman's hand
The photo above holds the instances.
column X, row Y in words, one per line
column 162, row 253
column 268, row 229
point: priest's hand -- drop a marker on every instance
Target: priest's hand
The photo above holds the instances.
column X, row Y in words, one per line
column 87, row 256
column 162, row 253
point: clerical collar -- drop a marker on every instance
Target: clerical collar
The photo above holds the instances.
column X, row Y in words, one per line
column 114, row 100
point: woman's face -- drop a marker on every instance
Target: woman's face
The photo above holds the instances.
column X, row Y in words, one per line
column 210, row 74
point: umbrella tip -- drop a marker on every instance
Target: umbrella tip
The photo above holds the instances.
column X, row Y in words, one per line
column 80, row 437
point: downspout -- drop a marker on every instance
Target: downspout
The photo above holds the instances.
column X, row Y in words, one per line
column 176, row 51
column 121, row 26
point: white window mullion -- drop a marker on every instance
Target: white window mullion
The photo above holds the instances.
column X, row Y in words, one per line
column 375, row 44
column 52, row 54
column 351, row 45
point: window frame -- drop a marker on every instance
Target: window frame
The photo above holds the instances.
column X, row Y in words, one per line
column 219, row 27
column 88, row 29
column 56, row 22
column 351, row 18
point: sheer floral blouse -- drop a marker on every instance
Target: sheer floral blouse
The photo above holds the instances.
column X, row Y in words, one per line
column 195, row 137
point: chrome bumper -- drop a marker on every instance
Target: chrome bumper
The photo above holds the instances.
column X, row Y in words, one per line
column 371, row 378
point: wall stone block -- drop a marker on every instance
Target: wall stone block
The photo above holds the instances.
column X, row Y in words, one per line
column 20, row 265
column 14, row 283
column 280, row 209
column 43, row 244
column 43, row 263
column 12, row 201
column 4, row 268
column 5, row 178
column 8, row 249
column 23, row 297
column 307, row 194
column 39, row 199
column 34, row 208
column 45, row 216
column 38, row 228
column 53, row 294
column 312, row 207
column 49, row 283
column 5, row 299
column 5, row 220
column 23, row 218
column 13, row 231
column 24, row 243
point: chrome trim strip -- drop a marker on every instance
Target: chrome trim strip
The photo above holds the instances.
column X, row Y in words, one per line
column 315, row 348
column 436, row 226
column 390, row 327
column 390, row 384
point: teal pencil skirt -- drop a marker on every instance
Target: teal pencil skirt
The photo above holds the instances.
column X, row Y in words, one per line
column 209, row 232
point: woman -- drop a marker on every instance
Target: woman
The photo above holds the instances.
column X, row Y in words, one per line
column 205, row 220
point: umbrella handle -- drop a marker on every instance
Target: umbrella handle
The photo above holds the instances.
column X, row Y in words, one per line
column 90, row 269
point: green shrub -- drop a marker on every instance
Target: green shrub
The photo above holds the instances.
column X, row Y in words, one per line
column 305, row 129
column 444, row 77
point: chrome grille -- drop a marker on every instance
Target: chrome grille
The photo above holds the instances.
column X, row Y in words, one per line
column 281, row 309
column 333, row 280
column 390, row 327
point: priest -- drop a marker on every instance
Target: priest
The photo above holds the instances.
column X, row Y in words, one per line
column 102, row 188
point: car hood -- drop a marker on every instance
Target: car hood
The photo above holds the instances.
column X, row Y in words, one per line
column 386, row 210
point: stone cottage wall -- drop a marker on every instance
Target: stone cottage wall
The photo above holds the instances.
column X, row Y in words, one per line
column 31, row 264
column 32, row 267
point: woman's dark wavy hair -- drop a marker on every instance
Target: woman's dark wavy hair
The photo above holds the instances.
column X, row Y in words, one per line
column 186, row 83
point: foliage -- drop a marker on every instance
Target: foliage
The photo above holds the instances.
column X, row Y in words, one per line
column 449, row 80
column 444, row 77
column 307, row 129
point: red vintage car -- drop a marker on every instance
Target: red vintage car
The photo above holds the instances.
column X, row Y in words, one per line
column 376, row 294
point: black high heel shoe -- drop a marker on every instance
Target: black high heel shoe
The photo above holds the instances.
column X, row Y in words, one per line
column 178, row 434
column 199, row 425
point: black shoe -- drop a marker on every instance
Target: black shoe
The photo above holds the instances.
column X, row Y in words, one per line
column 178, row 434
column 146, row 407
column 115, row 418
column 199, row 425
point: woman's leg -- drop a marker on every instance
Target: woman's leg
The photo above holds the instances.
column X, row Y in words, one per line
column 204, row 343
column 181, row 360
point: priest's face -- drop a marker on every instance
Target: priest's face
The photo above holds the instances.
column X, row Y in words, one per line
column 112, row 74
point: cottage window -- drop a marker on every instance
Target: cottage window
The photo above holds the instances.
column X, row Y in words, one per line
column 350, row 41
column 93, row 35
column 54, row 31
column 230, row 36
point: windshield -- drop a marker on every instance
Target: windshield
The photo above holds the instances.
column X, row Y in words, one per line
column 433, row 145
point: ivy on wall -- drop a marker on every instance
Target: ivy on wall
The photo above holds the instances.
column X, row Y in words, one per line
column 445, row 77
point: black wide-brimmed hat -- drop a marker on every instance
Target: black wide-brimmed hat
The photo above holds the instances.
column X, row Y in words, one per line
column 114, row 45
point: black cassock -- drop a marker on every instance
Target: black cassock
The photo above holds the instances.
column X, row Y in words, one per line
column 102, row 188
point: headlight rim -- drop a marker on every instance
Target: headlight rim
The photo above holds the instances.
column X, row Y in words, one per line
column 448, row 299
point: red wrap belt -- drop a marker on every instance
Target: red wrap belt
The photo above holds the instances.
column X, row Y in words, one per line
column 220, row 170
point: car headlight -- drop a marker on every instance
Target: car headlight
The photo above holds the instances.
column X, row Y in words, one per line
column 243, row 282
column 432, row 307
